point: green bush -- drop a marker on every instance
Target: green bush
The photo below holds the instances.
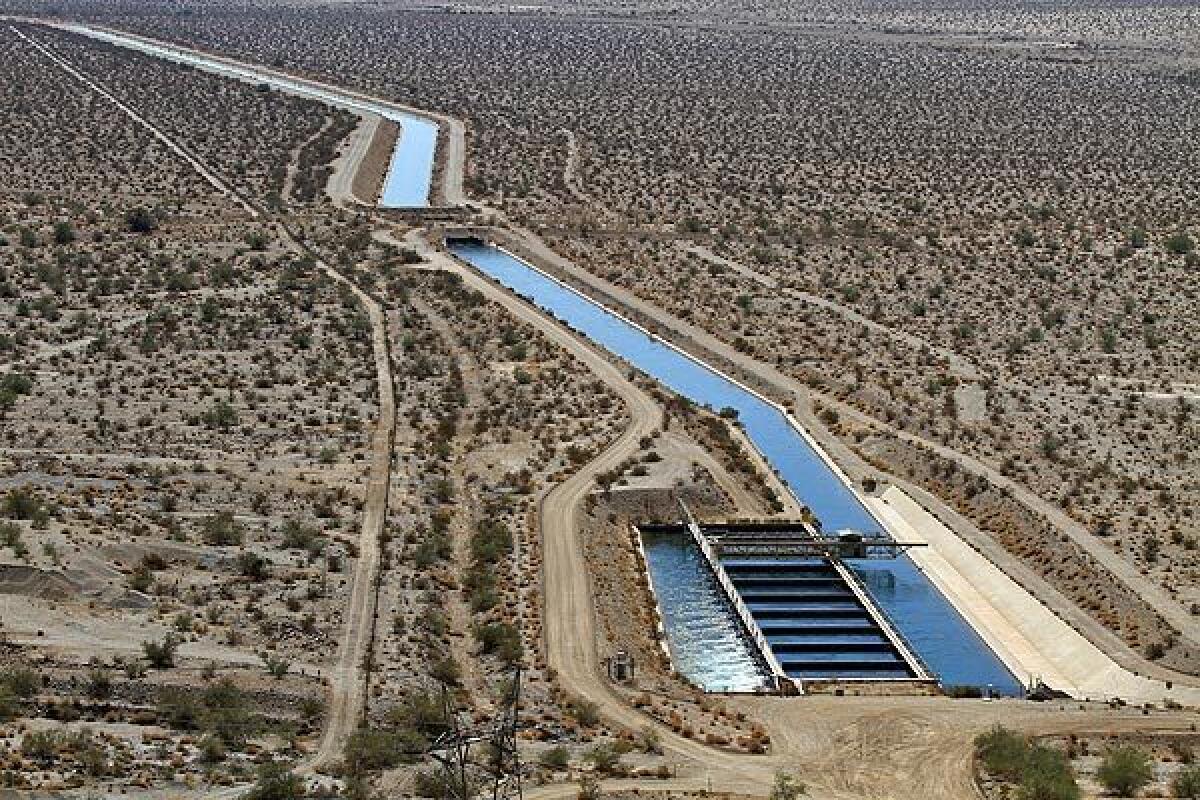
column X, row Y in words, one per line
column 41, row 746
column 1002, row 752
column 420, row 711
column 1186, row 783
column 585, row 712
column 22, row 503
column 371, row 750
column 1180, row 244
column 222, row 530
column 1047, row 775
column 1125, row 770
column 555, row 758
column 1039, row 772
column 605, row 759
column 786, row 787
column 500, row 638
column 276, row 782
column 212, row 749
column 161, row 655
column 8, row 704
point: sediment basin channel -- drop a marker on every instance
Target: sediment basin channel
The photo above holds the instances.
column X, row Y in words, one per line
column 931, row 625
column 410, row 172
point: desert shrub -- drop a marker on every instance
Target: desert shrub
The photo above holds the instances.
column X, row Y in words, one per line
column 370, row 750
column 212, row 749
column 22, row 682
column 585, row 712
column 1039, row 772
column 298, row 536
column 180, row 709
column 555, row 758
column 227, row 713
column 604, row 758
column 141, row 220
column 277, row 666
column 1186, row 783
column 491, row 542
column 500, row 638
column 252, row 566
column 22, row 503
column 276, row 782
column 8, row 704
column 1124, row 770
column 446, row 671
column 1002, row 752
column 420, row 711
column 1047, row 775
column 1180, row 244
column 221, row 711
column 435, row 784
column 221, row 416
column 222, row 530
column 99, row 685
column 41, row 746
column 786, row 787
column 64, row 232
column 161, row 655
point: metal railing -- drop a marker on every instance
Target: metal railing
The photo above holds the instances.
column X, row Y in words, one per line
column 886, row 623
column 749, row 624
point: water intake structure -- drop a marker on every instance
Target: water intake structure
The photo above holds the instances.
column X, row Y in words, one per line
column 938, row 636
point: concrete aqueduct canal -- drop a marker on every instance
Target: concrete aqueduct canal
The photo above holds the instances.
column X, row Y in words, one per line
column 705, row 643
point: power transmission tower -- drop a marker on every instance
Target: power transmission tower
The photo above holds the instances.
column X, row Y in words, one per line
column 478, row 759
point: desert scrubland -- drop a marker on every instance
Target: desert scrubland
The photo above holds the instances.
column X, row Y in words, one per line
column 188, row 396
column 976, row 226
column 970, row 232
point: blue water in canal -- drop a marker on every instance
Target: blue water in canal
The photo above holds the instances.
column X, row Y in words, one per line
column 706, row 641
column 946, row 643
column 411, row 172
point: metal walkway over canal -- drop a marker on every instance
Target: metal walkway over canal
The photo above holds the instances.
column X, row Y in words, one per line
column 806, row 611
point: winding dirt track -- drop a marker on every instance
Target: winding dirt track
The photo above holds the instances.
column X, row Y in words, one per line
column 569, row 608
column 346, row 681
column 854, row 747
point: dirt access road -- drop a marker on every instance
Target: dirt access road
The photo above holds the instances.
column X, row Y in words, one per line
column 346, row 681
column 844, row 747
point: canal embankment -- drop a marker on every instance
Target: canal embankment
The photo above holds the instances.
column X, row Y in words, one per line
column 939, row 634
column 409, row 181
column 1036, row 644
column 784, row 390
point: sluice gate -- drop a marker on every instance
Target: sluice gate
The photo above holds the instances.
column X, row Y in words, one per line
column 804, row 609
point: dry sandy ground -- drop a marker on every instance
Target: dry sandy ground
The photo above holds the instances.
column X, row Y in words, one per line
column 346, row 679
column 845, row 747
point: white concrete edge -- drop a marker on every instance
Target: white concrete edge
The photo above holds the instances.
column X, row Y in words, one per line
column 1057, row 653
column 920, row 560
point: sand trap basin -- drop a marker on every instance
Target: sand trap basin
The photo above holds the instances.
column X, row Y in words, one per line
column 704, row 637
column 922, row 615
column 823, row 630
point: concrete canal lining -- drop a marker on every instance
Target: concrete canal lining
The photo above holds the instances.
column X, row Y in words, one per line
column 1033, row 641
column 937, row 632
